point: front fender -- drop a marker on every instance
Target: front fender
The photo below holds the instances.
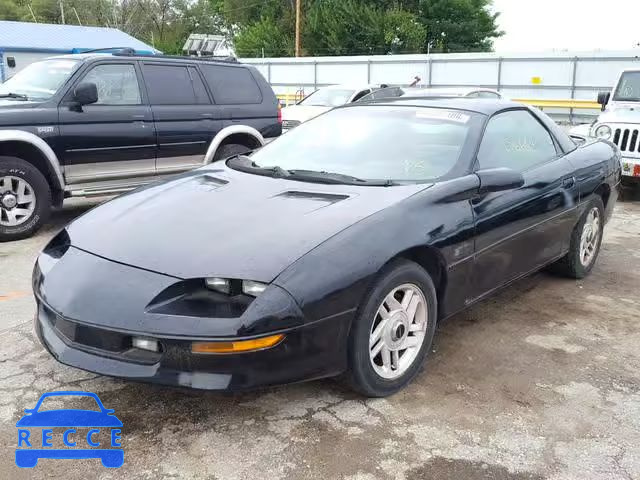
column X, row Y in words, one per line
column 40, row 144
column 225, row 133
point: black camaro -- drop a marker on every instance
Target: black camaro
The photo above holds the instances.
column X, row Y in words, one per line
column 336, row 248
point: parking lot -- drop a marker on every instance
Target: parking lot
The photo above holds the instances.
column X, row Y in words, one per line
column 540, row 381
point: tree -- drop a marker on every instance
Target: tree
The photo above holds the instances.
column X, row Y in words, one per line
column 264, row 38
column 459, row 25
column 9, row 10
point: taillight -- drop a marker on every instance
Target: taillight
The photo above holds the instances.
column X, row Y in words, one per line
column 279, row 113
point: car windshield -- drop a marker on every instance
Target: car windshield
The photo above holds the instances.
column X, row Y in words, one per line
column 373, row 143
column 40, row 80
column 328, row 97
column 628, row 89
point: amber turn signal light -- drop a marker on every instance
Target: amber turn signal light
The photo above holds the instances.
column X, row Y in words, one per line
column 239, row 346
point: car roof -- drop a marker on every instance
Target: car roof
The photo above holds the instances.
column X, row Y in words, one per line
column 448, row 91
column 347, row 86
column 484, row 106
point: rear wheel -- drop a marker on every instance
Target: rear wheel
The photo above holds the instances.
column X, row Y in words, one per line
column 229, row 150
column 393, row 331
column 25, row 199
column 586, row 240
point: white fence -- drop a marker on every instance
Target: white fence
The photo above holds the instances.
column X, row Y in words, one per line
column 565, row 75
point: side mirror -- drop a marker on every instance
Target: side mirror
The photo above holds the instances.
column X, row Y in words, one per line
column 86, row 93
column 499, row 179
column 603, row 99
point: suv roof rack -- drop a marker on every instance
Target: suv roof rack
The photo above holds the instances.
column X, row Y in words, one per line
column 120, row 50
column 208, row 58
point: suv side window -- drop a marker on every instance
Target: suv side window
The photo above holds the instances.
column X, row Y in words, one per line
column 231, row 85
column 173, row 85
column 515, row 139
column 117, row 84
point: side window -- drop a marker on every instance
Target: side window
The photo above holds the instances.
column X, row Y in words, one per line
column 173, row 85
column 117, row 84
column 231, row 85
column 198, row 86
column 515, row 140
column 360, row 94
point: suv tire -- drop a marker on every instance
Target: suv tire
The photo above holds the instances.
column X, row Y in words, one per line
column 229, row 150
column 25, row 190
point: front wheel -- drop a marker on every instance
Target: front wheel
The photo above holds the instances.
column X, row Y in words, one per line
column 585, row 243
column 25, row 199
column 393, row 330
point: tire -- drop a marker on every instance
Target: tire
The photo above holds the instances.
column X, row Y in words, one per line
column 368, row 374
column 229, row 150
column 574, row 264
column 20, row 177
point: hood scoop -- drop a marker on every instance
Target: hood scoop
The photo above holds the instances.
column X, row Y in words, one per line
column 318, row 196
column 209, row 180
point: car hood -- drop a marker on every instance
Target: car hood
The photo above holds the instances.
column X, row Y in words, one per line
column 621, row 113
column 302, row 113
column 216, row 221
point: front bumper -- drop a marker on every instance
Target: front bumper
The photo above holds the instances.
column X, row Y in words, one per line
column 306, row 353
column 89, row 323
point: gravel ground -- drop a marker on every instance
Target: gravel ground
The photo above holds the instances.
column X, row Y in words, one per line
column 539, row 382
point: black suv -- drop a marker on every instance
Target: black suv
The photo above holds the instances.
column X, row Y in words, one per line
column 103, row 123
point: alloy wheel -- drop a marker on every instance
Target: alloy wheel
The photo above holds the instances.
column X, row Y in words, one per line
column 17, row 201
column 590, row 238
column 398, row 331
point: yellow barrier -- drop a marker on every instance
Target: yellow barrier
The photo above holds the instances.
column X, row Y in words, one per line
column 579, row 104
column 288, row 99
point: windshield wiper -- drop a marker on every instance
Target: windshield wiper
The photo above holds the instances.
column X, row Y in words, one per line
column 19, row 96
column 337, row 178
column 245, row 164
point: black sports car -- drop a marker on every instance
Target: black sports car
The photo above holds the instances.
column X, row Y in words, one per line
column 336, row 248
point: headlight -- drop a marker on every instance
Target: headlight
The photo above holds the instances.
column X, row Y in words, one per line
column 235, row 287
column 221, row 285
column 249, row 287
column 603, row 131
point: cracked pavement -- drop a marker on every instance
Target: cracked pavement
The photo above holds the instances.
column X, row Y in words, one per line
column 539, row 382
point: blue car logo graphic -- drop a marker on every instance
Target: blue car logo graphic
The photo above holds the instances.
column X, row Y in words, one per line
column 33, row 447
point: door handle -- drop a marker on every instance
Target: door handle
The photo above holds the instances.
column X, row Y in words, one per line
column 206, row 115
column 568, row 182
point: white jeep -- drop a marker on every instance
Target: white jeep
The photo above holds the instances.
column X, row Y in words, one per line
column 619, row 122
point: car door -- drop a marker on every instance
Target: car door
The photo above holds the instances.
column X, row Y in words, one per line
column 112, row 138
column 520, row 230
column 185, row 119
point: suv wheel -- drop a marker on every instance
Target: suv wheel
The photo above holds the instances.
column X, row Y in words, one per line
column 229, row 150
column 25, row 199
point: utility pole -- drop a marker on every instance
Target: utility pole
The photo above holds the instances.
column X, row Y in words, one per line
column 298, row 28
column 62, row 11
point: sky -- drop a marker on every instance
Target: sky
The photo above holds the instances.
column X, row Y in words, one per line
column 542, row 25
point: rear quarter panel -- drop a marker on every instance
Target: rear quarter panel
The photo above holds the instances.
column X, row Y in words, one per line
column 597, row 171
